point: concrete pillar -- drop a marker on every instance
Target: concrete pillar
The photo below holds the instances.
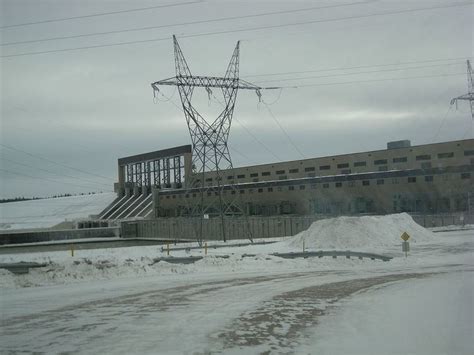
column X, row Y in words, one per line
column 121, row 177
column 188, row 170
column 128, row 189
column 136, row 190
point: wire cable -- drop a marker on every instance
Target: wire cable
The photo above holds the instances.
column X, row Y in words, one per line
column 442, row 123
column 283, row 130
column 257, row 140
column 54, row 173
column 249, row 132
column 54, row 162
column 359, row 67
column 100, row 14
column 242, row 155
column 371, row 80
column 258, row 28
column 42, row 178
column 221, row 19
column 357, row 73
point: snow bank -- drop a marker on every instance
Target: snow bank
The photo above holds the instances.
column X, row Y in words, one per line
column 106, row 264
column 368, row 233
column 46, row 213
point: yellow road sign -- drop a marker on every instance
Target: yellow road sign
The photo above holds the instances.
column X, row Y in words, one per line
column 405, row 236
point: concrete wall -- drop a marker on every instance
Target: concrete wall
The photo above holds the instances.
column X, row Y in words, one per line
column 261, row 227
column 184, row 228
column 38, row 235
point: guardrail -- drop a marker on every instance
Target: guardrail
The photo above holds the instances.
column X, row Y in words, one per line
column 163, row 249
column 307, row 254
column 21, row 267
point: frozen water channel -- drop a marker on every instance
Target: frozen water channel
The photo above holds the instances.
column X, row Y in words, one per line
column 422, row 304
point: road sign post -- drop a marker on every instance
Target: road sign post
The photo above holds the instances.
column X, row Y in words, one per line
column 405, row 244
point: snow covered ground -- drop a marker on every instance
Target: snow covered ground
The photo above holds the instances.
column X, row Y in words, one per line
column 120, row 301
column 46, row 213
column 428, row 316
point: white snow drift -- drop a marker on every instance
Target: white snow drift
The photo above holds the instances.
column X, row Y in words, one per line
column 367, row 233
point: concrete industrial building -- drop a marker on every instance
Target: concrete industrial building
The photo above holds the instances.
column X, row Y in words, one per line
column 429, row 178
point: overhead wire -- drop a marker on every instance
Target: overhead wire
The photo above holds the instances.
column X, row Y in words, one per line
column 370, row 81
column 242, row 155
column 358, row 73
column 249, row 132
column 43, row 178
column 54, row 162
column 258, row 28
column 55, row 173
column 445, row 116
column 221, row 19
column 359, row 67
column 283, row 130
column 57, row 123
column 100, row 14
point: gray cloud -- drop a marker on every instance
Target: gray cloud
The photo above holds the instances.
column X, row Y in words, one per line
column 86, row 108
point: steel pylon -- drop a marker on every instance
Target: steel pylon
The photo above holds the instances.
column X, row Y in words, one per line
column 470, row 91
column 210, row 138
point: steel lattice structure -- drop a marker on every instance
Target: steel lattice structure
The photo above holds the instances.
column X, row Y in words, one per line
column 470, row 94
column 210, row 139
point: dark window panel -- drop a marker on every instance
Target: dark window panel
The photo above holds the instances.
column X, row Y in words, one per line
column 445, row 155
column 400, row 160
column 423, row 157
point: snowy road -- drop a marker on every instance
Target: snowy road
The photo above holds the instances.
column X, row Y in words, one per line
column 297, row 306
column 244, row 314
column 432, row 315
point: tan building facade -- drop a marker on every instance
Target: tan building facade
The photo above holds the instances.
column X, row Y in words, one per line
column 430, row 178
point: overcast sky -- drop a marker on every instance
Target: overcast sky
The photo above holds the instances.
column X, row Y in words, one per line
column 85, row 108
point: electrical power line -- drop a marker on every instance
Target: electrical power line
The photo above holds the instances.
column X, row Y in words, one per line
column 371, row 81
column 241, row 154
column 258, row 140
column 358, row 67
column 357, row 73
column 54, row 173
column 241, row 30
column 284, row 131
column 442, row 123
column 221, row 19
column 100, row 14
column 53, row 162
column 43, row 178
column 249, row 132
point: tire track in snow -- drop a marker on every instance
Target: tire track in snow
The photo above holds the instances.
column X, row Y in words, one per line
column 278, row 324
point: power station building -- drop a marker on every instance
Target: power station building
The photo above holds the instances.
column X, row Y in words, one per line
column 429, row 178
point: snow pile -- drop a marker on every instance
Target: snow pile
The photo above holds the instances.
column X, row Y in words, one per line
column 367, row 233
column 46, row 213
column 107, row 264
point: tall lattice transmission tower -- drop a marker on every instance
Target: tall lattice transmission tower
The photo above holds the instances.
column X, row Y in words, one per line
column 210, row 138
column 470, row 93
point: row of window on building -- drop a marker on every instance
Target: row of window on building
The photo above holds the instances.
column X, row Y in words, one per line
column 410, row 179
column 381, row 163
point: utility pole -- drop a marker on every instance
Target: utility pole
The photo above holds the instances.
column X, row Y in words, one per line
column 210, row 139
